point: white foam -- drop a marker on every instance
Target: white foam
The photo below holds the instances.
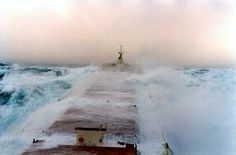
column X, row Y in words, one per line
column 194, row 114
column 20, row 135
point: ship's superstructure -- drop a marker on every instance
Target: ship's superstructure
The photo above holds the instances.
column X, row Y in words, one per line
column 120, row 64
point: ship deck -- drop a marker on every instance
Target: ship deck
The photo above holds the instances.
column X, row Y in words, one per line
column 109, row 100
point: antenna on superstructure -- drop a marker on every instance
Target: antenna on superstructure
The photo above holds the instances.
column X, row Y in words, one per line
column 120, row 58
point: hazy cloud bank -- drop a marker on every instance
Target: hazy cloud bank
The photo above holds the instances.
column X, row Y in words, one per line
column 173, row 32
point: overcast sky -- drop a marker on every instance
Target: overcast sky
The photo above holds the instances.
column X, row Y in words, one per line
column 172, row 32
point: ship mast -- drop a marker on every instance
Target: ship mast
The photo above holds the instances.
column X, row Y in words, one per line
column 120, row 58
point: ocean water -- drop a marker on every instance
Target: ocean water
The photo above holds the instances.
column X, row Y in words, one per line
column 193, row 109
column 26, row 89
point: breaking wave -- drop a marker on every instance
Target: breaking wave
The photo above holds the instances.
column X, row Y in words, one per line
column 191, row 109
column 24, row 89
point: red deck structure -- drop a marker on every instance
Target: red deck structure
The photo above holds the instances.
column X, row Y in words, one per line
column 130, row 149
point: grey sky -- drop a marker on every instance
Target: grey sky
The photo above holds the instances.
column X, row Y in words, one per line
column 175, row 32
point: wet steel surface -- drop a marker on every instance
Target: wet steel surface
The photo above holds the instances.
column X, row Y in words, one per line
column 111, row 101
column 85, row 150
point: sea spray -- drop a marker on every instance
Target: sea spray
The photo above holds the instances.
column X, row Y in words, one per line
column 27, row 90
column 193, row 109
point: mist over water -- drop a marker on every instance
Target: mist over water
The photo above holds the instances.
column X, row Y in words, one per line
column 28, row 96
column 191, row 109
column 173, row 32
